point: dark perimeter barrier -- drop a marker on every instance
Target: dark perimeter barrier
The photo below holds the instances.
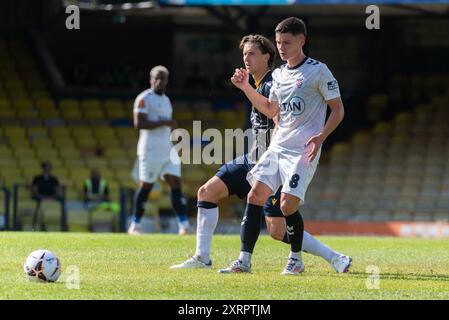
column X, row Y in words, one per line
column 7, row 194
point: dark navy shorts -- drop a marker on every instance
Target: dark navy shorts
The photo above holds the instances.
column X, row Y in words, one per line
column 233, row 174
column 272, row 207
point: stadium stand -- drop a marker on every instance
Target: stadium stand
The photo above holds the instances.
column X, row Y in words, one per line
column 38, row 127
column 396, row 169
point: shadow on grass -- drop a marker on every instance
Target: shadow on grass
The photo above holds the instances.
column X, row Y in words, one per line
column 402, row 276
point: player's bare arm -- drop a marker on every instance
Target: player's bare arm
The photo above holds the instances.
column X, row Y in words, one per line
column 335, row 117
column 261, row 103
column 141, row 122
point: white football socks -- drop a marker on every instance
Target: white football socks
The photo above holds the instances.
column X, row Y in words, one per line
column 315, row 247
column 295, row 255
column 245, row 257
column 184, row 224
column 207, row 220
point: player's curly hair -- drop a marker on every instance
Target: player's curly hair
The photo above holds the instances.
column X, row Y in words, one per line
column 292, row 25
column 264, row 44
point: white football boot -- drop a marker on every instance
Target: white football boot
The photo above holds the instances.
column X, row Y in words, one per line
column 135, row 229
column 192, row 263
column 185, row 228
column 341, row 263
column 293, row 267
column 237, row 267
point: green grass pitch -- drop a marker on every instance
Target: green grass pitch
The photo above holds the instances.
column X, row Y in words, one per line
column 118, row 266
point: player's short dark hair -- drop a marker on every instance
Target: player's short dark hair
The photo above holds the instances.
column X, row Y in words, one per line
column 292, row 25
column 264, row 44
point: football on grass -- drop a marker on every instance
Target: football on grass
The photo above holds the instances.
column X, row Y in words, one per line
column 43, row 266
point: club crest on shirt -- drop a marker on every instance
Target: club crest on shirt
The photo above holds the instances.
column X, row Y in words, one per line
column 332, row 85
column 141, row 104
column 300, row 81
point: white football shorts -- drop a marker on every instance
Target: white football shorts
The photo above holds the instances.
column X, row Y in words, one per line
column 291, row 170
column 151, row 167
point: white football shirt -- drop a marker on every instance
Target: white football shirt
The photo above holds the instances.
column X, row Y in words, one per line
column 157, row 108
column 301, row 92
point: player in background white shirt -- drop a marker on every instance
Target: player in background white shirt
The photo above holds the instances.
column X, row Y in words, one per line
column 300, row 93
column 153, row 117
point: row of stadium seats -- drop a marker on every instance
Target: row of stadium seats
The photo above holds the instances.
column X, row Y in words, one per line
column 397, row 171
column 19, row 75
column 74, row 112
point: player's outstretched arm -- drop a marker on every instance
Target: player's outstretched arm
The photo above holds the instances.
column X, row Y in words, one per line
column 261, row 103
column 141, row 122
column 335, row 117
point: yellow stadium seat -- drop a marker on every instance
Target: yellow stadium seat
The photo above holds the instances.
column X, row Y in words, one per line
column 8, row 163
column 7, row 113
column 72, row 114
column 44, row 103
column 74, row 163
column 26, row 114
column 39, row 94
column 363, row 138
column 10, row 172
column 205, row 115
column 183, row 115
column 30, row 172
column 48, row 154
column 13, row 84
column 382, row 128
column 14, row 131
column 79, row 175
column 89, row 104
column 117, row 114
column 24, row 153
column 69, row 151
column 18, row 94
column 108, row 143
column 31, row 163
column 66, row 104
column 37, row 132
column 49, row 114
column 19, row 142
column 5, row 152
column 127, row 132
column 22, row 104
column 64, row 142
column 99, row 163
column 94, row 114
column 43, row 143
column 5, row 103
column 57, row 132
column 84, row 142
column 120, row 163
column 115, row 153
column 113, row 104
column 104, row 132
column 10, row 181
column 79, row 132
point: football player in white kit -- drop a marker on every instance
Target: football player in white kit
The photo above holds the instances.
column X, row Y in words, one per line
column 153, row 117
column 301, row 91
